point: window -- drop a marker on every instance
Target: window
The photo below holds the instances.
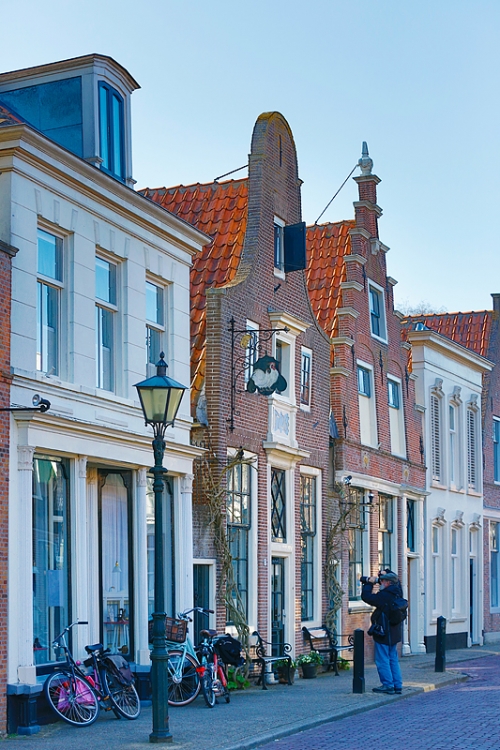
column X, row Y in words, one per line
column 396, row 417
column 307, row 538
column 366, row 403
column 282, row 354
column 411, row 528
column 305, row 377
column 105, row 274
column 494, row 565
column 50, row 557
column 453, row 430
column 111, row 131
column 435, row 417
column 377, row 311
column 364, row 382
column 496, row 450
column 279, row 245
column 168, row 537
column 385, row 533
column 154, row 326
column 238, row 526
column 471, row 450
column 455, row 569
column 278, row 505
column 356, row 543
column 49, row 287
column 436, row 544
column 252, row 348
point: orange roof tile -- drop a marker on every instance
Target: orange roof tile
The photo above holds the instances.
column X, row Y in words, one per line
column 470, row 329
column 220, row 210
column 327, row 244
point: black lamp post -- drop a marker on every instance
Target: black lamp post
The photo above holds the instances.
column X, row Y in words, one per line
column 160, row 400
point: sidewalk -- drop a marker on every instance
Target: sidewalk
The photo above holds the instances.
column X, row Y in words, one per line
column 256, row 716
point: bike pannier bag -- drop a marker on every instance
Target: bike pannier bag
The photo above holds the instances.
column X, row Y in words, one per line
column 229, row 650
column 119, row 667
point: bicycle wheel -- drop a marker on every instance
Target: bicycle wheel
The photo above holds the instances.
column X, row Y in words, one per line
column 72, row 698
column 207, row 687
column 183, row 681
column 124, row 698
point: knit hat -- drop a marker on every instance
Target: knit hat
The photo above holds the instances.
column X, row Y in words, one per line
column 389, row 575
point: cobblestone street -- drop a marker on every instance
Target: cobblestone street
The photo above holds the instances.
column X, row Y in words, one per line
column 458, row 717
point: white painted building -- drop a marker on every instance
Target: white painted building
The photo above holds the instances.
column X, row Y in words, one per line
column 100, row 287
column 448, row 389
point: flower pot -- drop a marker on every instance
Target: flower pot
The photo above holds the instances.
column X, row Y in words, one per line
column 309, row 671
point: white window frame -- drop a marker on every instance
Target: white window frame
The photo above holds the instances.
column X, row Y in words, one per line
column 279, row 270
column 496, row 552
column 456, row 558
column 59, row 285
column 306, row 353
column 251, row 354
column 393, row 380
column 159, row 328
column 473, row 449
column 113, row 309
column 372, row 407
column 287, row 368
column 380, row 292
column 357, row 603
column 496, row 450
column 436, row 442
column 315, row 473
column 436, row 569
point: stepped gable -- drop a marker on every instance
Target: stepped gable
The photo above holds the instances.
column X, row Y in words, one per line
column 470, row 329
column 327, row 245
column 220, row 210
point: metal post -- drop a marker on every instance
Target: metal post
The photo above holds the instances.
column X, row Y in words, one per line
column 358, row 674
column 159, row 653
column 440, row 663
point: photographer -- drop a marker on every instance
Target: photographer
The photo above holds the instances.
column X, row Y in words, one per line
column 385, row 635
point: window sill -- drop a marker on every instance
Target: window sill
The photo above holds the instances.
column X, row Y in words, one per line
column 458, row 618
column 305, row 408
column 279, row 273
column 358, row 606
column 379, row 338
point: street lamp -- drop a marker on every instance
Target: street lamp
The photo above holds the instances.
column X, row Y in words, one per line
column 160, row 400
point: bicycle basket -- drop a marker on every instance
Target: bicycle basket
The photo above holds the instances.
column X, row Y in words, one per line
column 175, row 629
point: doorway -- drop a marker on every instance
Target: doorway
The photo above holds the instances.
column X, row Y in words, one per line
column 201, row 598
column 277, row 605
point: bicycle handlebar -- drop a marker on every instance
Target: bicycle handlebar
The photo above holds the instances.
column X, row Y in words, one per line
column 68, row 628
column 204, row 611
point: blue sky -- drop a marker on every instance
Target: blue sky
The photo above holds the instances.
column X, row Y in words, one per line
column 419, row 82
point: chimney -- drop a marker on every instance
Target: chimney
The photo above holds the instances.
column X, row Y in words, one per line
column 496, row 302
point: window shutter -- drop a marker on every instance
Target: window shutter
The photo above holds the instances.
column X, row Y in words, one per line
column 471, row 449
column 295, row 247
column 435, row 439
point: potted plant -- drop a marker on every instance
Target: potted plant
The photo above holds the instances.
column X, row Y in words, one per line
column 282, row 670
column 309, row 664
column 343, row 663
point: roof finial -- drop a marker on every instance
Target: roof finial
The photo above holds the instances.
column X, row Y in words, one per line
column 365, row 162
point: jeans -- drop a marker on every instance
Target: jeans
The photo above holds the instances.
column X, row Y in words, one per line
column 386, row 660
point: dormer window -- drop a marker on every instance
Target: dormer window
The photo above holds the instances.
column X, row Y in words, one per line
column 111, row 131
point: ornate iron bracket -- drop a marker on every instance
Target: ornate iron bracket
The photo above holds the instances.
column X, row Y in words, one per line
column 253, row 343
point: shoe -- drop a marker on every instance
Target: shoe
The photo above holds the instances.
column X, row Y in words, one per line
column 384, row 689
column 398, row 691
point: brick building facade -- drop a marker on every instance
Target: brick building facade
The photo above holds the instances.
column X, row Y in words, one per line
column 378, row 461
column 244, row 280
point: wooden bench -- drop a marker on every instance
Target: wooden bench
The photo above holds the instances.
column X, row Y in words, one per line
column 264, row 659
column 324, row 641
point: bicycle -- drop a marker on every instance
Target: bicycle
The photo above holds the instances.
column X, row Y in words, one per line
column 77, row 696
column 183, row 679
column 212, row 670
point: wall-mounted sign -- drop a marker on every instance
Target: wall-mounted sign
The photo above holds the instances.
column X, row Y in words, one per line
column 266, row 378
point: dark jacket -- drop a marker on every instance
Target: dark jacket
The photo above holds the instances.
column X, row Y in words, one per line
column 381, row 602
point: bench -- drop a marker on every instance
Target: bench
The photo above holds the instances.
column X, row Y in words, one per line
column 264, row 659
column 324, row 641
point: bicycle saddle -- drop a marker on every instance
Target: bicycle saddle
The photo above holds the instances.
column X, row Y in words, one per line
column 95, row 647
column 208, row 633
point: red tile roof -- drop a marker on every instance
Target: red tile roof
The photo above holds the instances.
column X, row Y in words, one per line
column 220, row 210
column 327, row 245
column 8, row 117
column 470, row 329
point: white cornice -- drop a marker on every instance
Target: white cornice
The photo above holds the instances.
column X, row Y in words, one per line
column 285, row 320
column 369, row 206
column 336, row 341
column 33, row 148
column 450, row 348
column 348, row 311
column 355, row 258
column 283, row 452
column 361, row 231
column 340, row 371
column 351, row 285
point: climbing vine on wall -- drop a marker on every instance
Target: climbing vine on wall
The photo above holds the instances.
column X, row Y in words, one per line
column 339, row 513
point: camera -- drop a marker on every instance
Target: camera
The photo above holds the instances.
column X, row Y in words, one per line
column 366, row 579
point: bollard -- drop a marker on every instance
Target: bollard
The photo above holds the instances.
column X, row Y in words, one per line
column 358, row 676
column 440, row 663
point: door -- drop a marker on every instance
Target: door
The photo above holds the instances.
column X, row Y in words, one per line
column 471, row 600
column 201, row 598
column 277, row 604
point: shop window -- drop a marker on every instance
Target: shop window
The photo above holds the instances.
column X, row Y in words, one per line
column 238, row 509
column 51, row 570
column 308, row 544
